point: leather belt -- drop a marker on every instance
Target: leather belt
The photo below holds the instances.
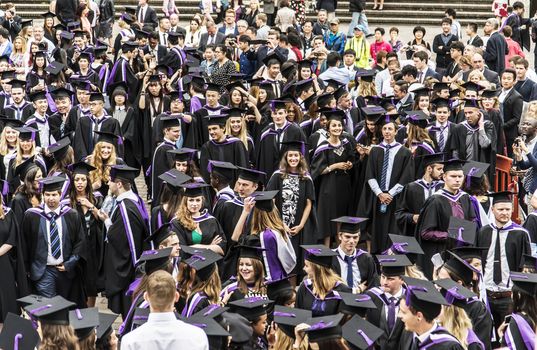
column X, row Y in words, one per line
column 499, row 295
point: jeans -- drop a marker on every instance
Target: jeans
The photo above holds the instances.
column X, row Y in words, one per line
column 358, row 18
column 52, row 283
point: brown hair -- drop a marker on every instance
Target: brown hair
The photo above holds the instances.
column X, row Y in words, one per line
column 58, row 337
column 161, row 290
column 261, row 220
column 302, row 167
column 184, row 216
column 324, row 280
column 259, row 273
column 211, row 287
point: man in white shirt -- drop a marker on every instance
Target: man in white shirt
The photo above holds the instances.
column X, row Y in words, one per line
column 39, row 37
column 163, row 29
column 163, row 330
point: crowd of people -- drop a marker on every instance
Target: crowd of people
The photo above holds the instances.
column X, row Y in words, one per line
column 306, row 188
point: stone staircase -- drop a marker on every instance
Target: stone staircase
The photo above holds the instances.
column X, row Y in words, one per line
column 408, row 12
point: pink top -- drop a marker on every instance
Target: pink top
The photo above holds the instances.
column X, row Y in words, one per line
column 376, row 47
column 514, row 50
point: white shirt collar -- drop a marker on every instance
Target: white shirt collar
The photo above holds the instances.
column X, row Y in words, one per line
column 127, row 195
column 426, row 335
column 397, row 295
column 56, row 211
column 342, row 253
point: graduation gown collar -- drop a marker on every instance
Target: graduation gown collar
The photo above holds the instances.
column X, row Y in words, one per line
column 127, row 195
column 204, row 216
column 452, row 197
column 469, row 127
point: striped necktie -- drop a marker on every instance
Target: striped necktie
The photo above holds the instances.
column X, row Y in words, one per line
column 55, row 244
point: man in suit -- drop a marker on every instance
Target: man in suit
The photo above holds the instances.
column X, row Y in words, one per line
column 511, row 104
column 524, row 86
column 163, row 29
column 478, row 63
column 515, row 21
column 400, row 92
column 421, row 58
column 229, row 26
column 441, row 45
column 154, row 48
column 55, row 240
column 496, row 50
column 12, row 22
column 211, row 37
column 471, row 31
column 146, row 15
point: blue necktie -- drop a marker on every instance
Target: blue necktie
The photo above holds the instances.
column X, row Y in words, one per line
column 385, row 163
column 441, row 139
column 349, row 260
column 392, row 304
column 55, row 244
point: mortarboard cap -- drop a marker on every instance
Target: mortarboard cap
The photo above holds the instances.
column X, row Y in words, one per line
column 129, row 46
column 60, row 148
column 79, row 32
column 365, row 74
column 335, row 84
column 468, row 252
column 84, row 85
column 86, row 55
column 11, row 122
column 100, row 50
column 525, row 283
column 223, row 169
column 393, row 265
column 213, row 311
column 360, row 333
column 123, row 172
column 183, row 154
column 170, row 121
column 475, row 170
column 297, row 146
column 160, row 235
column 441, row 102
column 216, row 119
column 303, row 85
column 273, row 57
column 235, row 84
column 336, row 114
column 81, row 168
column 10, row 75
column 454, row 293
column 174, row 178
column 251, row 175
column 84, row 321
column 501, row 197
column 350, row 224
column 528, row 262
column 265, row 200
column 463, row 231
column 319, row 254
column 105, row 325
column 18, row 333
column 418, row 118
column 453, row 165
column 458, row 267
column 239, row 327
column 250, row 251
column 323, row 100
column 23, row 168
column 62, row 92
column 187, row 252
column 96, row 96
column 489, row 94
column 51, row 311
column 251, row 308
column 373, row 113
column 157, row 259
column 340, row 92
column 52, row 183
column 37, row 96
column 141, row 314
column 208, row 325
column 278, row 104
column 276, row 287
column 194, row 189
column 388, row 118
column 429, row 159
column 31, row 299
column 440, row 86
column 287, row 318
column 324, row 328
column 210, row 86
column 419, row 90
column 16, row 83
column 472, row 86
column 471, row 103
column 423, row 296
column 26, row 133
column 27, row 23
column 108, row 137
column 66, row 36
column 356, row 303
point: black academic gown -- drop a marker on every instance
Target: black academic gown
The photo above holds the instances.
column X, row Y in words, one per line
column 85, row 138
column 402, row 173
column 73, row 116
column 231, row 150
column 131, row 139
column 378, row 317
column 520, row 332
column 162, row 162
column 209, row 226
column 201, row 131
column 123, row 72
column 123, row 248
column 410, row 203
column 366, row 266
column 23, row 112
column 434, row 131
column 159, row 217
column 440, row 339
column 531, row 225
column 270, row 150
column 330, row 305
column 481, row 318
column 55, row 122
column 435, row 216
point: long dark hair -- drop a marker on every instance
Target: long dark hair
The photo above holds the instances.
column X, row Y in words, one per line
column 88, row 191
column 27, row 187
column 527, row 304
column 171, row 198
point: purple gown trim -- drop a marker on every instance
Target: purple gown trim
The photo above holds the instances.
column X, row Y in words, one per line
column 526, row 332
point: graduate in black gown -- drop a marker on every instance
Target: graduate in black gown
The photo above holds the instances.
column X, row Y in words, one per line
column 418, row 310
column 58, row 121
column 123, row 72
column 390, row 167
column 27, row 194
column 325, row 300
column 170, row 198
column 212, row 107
column 433, row 220
column 162, row 159
column 222, row 174
column 20, row 108
column 331, row 169
column 127, row 226
column 520, row 333
column 414, row 194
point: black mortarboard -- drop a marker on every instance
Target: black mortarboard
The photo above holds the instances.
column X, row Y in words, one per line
column 55, row 67
column 365, row 74
column 472, row 86
column 208, row 325
column 298, row 146
column 323, row 100
column 51, row 311
column 223, row 169
column 418, row 118
column 455, row 93
column 489, row 94
column 475, row 170
column 273, row 56
column 319, row 254
column 10, row 75
column 468, row 252
column 129, row 46
column 187, row 252
column 212, row 311
column 440, row 86
column 250, row 251
column 429, row 159
column 26, row 133
column 385, row 102
column 239, row 327
column 266, row 85
column 105, row 325
column 216, row 119
column 62, row 92
column 276, row 287
column 170, row 121
column 528, row 261
column 36, row 96
column 419, row 91
column 373, row 113
column 303, row 85
column 194, row 189
column 278, row 104
column 30, row 300
column 174, row 178
column 305, row 64
column 235, row 84
column 251, row 175
column 154, row 78
column 81, row 168
column 453, row 165
column 72, row 26
column 360, row 333
column 471, row 102
column 501, row 197
column 96, row 96
column 60, row 148
column 463, row 231
column 210, row 86
column 454, row 293
column 265, row 200
column 388, row 118
column 336, row 114
column 350, row 224
column 423, row 296
column 140, row 34
column 84, row 321
column 287, row 68
column 441, row 102
column 79, row 33
column 183, row 154
column 393, row 265
column 81, row 84
column 459, row 267
column 287, row 318
column 340, row 92
column 23, row 168
column 251, row 308
column 333, row 83
column 123, row 172
column 52, row 183
column 100, row 50
column 525, row 283
column 18, row 334
column 174, row 36
column 108, row 137
column 27, row 23
column 17, row 83
column 324, row 328
column 86, row 55
column 157, row 259
column 11, row 122
column 356, row 303
column 160, row 235
column 128, row 18
column 66, row 36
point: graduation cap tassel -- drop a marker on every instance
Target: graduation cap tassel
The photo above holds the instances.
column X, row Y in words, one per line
column 410, row 290
column 368, row 340
column 471, row 173
column 16, row 341
column 452, row 294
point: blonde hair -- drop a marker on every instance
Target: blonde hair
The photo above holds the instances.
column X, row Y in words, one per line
column 243, row 135
column 414, row 272
column 529, row 112
column 261, row 220
column 367, row 89
column 4, row 147
column 184, row 216
column 324, row 281
column 19, row 157
column 457, row 322
column 23, row 46
column 211, row 287
column 283, row 341
column 102, row 171
column 161, row 290
column 58, row 337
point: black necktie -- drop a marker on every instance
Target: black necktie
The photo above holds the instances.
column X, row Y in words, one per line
column 350, row 281
column 497, row 273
